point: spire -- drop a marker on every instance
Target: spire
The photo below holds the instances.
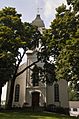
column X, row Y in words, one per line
column 38, row 21
column 38, row 10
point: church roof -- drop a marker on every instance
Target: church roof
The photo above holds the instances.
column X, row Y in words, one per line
column 38, row 21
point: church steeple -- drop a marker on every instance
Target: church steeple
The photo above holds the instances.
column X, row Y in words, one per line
column 41, row 26
column 38, row 21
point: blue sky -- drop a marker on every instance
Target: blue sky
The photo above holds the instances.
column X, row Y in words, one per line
column 28, row 8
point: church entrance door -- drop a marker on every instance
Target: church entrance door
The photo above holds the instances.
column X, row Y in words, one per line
column 35, row 99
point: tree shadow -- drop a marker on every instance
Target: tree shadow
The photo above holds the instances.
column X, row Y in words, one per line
column 32, row 115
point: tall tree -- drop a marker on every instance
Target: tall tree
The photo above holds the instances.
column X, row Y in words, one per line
column 32, row 36
column 14, row 35
column 61, row 41
column 9, row 43
column 68, row 59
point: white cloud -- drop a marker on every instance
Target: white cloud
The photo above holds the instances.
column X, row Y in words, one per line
column 48, row 8
column 51, row 5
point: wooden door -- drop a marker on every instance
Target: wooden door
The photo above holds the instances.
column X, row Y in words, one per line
column 35, row 99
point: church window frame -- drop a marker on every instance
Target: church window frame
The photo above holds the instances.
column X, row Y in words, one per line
column 17, row 92
column 35, row 76
column 56, row 92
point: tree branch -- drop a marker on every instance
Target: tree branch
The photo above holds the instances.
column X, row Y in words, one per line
column 27, row 68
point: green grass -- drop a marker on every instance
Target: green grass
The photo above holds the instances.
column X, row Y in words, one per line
column 32, row 115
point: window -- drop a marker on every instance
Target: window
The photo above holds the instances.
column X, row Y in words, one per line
column 35, row 82
column 56, row 92
column 17, row 90
column 35, row 76
column 74, row 109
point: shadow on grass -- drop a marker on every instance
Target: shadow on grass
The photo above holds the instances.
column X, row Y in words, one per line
column 32, row 115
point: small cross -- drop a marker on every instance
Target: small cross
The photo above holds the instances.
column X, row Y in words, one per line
column 38, row 10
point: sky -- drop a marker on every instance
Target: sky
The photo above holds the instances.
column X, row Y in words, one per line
column 28, row 9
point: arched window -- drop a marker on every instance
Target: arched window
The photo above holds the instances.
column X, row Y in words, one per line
column 17, row 91
column 35, row 76
column 56, row 92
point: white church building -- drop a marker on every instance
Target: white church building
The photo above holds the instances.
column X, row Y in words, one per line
column 38, row 94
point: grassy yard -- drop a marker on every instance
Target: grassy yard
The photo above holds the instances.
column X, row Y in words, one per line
column 31, row 115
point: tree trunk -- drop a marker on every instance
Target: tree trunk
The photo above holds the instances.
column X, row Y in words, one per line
column 10, row 100
column 27, row 68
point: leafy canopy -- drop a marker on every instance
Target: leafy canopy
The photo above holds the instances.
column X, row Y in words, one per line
column 62, row 43
column 14, row 35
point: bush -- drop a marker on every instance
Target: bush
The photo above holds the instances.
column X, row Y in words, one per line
column 51, row 108
column 60, row 110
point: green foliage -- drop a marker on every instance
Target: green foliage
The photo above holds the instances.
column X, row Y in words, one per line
column 32, row 35
column 50, row 75
column 14, row 35
column 73, row 96
column 74, row 3
column 45, row 74
column 10, row 42
column 62, row 43
column 68, row 61
column 73, row 92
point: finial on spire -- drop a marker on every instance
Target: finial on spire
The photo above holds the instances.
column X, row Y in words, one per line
column 38, row 10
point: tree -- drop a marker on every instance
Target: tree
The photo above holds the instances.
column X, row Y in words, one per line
column 49, row 71
column 62, row 28
column 67, row 61
column 45, row 74
column 6, row 58
column 73, row 91
column 14, row 35
column 62, row 43
column 74, row 3
column 32, row 35
column 9, row 43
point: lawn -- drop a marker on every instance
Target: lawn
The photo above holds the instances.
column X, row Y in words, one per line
column 32, row 115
